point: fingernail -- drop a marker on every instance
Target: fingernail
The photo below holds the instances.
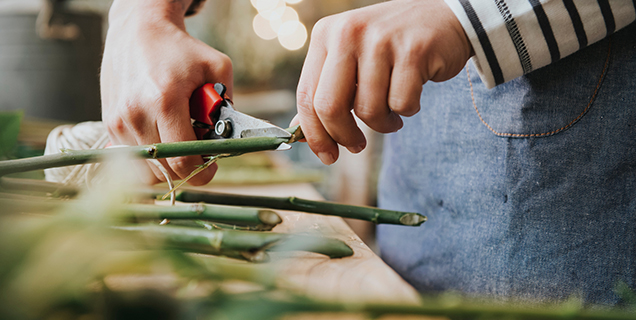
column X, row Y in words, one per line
column 326, row 158
column 356, row 149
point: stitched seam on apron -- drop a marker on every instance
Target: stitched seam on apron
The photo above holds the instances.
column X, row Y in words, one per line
column 520, row 135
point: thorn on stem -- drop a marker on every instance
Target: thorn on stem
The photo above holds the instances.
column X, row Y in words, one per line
column 152, row 151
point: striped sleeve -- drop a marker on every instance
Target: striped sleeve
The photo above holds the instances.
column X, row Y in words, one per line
column 514, row 37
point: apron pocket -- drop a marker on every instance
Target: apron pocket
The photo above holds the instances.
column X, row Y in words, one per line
column 545, row 101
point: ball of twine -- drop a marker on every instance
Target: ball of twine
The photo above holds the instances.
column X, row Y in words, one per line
column 82, row 136
column 85, row 136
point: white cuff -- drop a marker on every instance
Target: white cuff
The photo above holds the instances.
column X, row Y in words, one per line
column 514, row 37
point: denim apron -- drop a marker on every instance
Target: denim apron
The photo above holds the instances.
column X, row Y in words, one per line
column 530, row 188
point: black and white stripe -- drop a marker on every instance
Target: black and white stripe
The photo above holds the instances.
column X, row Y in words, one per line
column 608, row 16
column 484, row 41
column 538, row 34
column 576, row 23
column 517, row 40
column 546, row 29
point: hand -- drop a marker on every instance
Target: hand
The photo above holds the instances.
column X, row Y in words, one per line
column 150, row 68
column 374, row 61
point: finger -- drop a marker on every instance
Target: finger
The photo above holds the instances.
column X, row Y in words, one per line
column 219, row 69
column 294, row 122
column 174, row 125
column 334, row 98
column 149, row 172
column 371, row 101
column 405, row 89
column 120, row 133
column 317, row 137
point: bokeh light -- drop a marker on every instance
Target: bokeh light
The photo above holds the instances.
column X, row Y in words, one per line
column 267, row 5
column 292, row 35
column 276, row 20
column 262, row 28
column 289, row 14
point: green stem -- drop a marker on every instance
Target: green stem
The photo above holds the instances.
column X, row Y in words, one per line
column 219, row 241
column 451, row 307
column 333, row 248
column 374, row 215
column 265, row 219
column 37, row 186
column 153, row 151
column 222, row 214
column 281, row 203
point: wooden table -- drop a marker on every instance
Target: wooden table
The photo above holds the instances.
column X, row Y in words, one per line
column 364, row 277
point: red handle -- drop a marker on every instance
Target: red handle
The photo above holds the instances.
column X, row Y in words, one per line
column 205, row 104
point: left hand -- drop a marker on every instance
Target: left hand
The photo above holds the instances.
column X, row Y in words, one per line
column 374, row 61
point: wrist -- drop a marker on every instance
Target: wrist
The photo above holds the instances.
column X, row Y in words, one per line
column 149, row 11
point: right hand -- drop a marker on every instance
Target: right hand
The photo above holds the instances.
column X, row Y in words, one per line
column 151, row 67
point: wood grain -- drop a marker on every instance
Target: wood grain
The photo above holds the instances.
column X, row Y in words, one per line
column 364, row 277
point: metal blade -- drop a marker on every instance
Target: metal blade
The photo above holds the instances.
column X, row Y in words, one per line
column 283, row 147
column 244, row 126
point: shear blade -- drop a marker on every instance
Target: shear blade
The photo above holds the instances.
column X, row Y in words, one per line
column 283, row 147
column 245, row 126
column 266, row 132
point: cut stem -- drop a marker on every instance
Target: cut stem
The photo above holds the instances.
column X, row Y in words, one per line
column 219, row 241
column 216, row 213
column 264, row 219
column 153, row 151
column 281, row 203
column 374, row 215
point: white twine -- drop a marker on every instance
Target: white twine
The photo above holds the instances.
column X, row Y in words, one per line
column 84, row 136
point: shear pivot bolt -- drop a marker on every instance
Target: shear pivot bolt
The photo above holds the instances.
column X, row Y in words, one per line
column 223, row 128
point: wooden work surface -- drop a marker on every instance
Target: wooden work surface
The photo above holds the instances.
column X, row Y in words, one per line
column 364, row 277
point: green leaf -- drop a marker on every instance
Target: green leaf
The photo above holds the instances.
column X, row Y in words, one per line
column 9, row 129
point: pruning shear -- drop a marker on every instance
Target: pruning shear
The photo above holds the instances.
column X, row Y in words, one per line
column 214, row 117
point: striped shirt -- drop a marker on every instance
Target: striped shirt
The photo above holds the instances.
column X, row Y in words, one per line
column 514, row 37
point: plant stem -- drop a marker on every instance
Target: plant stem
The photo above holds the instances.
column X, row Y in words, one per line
column 451, row 307
column 333, row 248
column 219, row 241
column 35, row 186
column 265, row 219
column 374, row 215
column 153, row 151
column 222, row 214
column 281, row 203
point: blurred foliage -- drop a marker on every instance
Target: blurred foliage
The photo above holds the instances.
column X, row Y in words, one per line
column 9, row 130
column 58, row 266
column 73, row 265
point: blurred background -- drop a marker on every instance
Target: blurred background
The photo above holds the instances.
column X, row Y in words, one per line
column 50, row 52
